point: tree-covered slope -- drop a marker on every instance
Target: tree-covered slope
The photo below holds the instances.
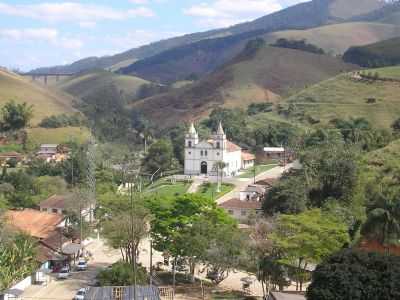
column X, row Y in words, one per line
column 380, row 54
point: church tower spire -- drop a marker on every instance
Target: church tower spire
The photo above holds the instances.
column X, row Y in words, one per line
column 191, row 138
column 220, row 130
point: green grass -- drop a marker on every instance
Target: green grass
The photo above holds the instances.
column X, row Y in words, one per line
column 337, row 38
column 11, row 148
column 208, row 190
column 91, row 85
column 45, row 102
column 389, row 72
column 164, row 188
column 259, row 169
column 342, row 97
column 37, row 136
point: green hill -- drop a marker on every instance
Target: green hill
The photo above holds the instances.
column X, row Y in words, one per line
column 300, row 16
column 345, row 97
column 258, row 75
column 45, row 102
column 337, row 38
column 380, row 54
column 92, row 84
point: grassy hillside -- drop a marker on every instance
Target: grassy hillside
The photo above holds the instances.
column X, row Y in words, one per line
column 338, row 38
column 92, row 84
column 380, row 54
column 344, row 97
column 389, row 72
column 45, row 102
column 249, row 78
column 301, row 16
column 37, row 136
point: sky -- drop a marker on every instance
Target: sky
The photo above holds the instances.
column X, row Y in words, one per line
column 41, row 33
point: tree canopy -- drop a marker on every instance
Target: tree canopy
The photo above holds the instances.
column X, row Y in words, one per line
column 356, row 275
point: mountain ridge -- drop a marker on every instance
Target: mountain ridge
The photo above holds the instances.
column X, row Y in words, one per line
column 301, row 16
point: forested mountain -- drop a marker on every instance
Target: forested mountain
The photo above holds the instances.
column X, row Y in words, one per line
column 305, row 15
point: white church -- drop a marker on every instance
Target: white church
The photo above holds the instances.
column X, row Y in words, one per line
column 201, row 156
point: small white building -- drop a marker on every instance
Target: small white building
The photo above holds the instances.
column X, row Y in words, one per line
column 201, row 157
column 252, row 193
column 242, row 211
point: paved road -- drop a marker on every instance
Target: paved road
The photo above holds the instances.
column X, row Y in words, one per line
column 66, row 289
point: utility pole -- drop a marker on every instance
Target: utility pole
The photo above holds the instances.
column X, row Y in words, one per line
column 254, row 171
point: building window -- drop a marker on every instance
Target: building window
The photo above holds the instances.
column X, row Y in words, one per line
column 189, row 152
column 243, row 213
column 230, row 212
column 54, row 210
column 201, row 153
column 218, row 145
column 190, row 144
column 217, row 153
column 206, row 153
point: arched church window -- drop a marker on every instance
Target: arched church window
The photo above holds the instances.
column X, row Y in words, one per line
column 201, row 153
column 218, row 145
column 206, row 153
column 190, row 144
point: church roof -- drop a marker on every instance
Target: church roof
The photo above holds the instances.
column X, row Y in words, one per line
column 220, row 130
column 192, row 129
column 231, row 147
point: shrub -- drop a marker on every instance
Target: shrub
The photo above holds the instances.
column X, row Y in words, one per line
column 356, row 275
column 121, row 274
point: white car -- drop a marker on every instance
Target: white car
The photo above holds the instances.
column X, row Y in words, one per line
column 80, row 295
column 64, row 273
column 82, row 265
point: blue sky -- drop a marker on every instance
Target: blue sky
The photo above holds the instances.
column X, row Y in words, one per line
column 51, row 32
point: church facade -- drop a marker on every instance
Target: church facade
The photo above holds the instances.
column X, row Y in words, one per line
column 202, row 156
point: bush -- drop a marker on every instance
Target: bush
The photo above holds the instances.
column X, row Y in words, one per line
column 62, row 121
column 356, row 275
column 121, row 274
column 298, row 45
column 256, row 108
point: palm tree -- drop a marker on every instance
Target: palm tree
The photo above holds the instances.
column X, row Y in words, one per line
column 383, row 219
column 219, row 166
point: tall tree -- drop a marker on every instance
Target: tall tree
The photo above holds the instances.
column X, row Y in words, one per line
column 15, row 116
column 307, row 239
column 383, row 217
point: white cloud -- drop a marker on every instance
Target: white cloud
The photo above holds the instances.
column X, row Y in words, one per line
column 72, row 11
column 139, row 1
column 46, row 34
column 227, row 12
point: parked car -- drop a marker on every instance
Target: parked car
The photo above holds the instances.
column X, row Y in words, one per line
column 64, row 273
column 80, row 295
column 82, row 265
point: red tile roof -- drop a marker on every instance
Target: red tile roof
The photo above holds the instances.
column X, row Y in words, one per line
column 246, row 156
column 374, row 246
column 231, row 147
column 236, row 203
column 33, row 222
column 55, row 201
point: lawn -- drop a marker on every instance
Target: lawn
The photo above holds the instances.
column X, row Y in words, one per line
column 259, row 169
column 209, row 190
column 164, row 188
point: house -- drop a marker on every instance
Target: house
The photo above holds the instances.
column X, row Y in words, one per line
column 123, row 293
column 274, row 152
column 202, row 156
column 48, row 230
column 5, row 156
column 252, row 193
column 285, row 296
column 242, row 210
column 54, row 204
column 248, row 160
column 267, row 183
column 47, row 150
